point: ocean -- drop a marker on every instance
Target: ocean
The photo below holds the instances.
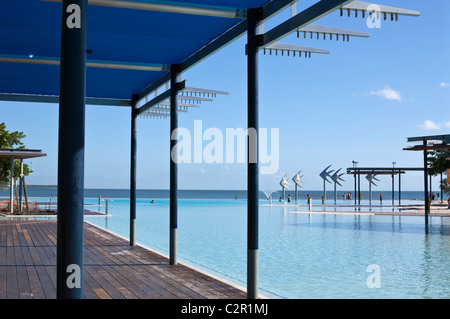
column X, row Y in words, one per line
column 219, row 194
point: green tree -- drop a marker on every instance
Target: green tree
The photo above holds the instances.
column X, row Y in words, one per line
column 438, row 162
column 11, row 140
column 445, row 187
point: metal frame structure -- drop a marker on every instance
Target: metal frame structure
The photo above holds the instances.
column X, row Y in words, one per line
column 358, row 171
column 19, row 154
column 428, row 143
column 74, row 94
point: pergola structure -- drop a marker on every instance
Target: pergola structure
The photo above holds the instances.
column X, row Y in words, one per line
column 425, row 144
column 117, row 53
column 19, row 154
column 358, row 171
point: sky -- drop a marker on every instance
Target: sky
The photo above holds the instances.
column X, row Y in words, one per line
column 360, row 102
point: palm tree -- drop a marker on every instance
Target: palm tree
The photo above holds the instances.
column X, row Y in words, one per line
column 445, row 186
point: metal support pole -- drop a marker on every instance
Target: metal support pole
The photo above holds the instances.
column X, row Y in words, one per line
column 174, row 71
column 324, row 192
column 72, row 96
column 11, row 189
column 392, row 188
column 335, row 193
column 359, row 190
column 431, row 190
column 133, row 161
column 20, row 185
column 425, row 174
column 354, row 176
column 399, row 188
column 252, row 160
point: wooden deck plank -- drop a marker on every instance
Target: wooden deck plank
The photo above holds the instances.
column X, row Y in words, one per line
column 112, row 269
column 3, row 230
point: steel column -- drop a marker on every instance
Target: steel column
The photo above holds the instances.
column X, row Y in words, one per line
column 20, row 186
column 133, row 161
column 431, row 190
column 174, row 70
column 335, row 192
column 425, row 173
column 359, row 190
column 69, row 262
column 399, row 187
column 11, row 188
column 252, row 158
column 392, row 188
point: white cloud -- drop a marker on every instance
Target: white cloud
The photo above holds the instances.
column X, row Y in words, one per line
column 388, row 93
column 444, row 84
column 429, row 125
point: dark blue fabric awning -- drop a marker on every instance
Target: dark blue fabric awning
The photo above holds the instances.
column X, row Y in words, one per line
column 31, row 29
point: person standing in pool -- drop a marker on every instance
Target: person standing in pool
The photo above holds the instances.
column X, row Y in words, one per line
column 309, row 201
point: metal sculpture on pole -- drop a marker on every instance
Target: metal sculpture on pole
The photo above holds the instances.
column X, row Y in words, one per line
column 284, row 184
column 324, row 174
column 370, row 178
column 297, row 180
column 336, row 177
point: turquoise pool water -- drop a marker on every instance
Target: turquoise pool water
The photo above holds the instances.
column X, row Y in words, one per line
column 301, row 255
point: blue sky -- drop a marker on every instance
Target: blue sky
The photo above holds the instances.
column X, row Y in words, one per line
column 360, row 102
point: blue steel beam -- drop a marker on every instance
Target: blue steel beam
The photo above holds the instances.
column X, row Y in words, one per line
column 133, row 162
column 160, row 98
column 300, row 20
column 122, row 65
column 172, row 6
column 268, row 11
column 173, row 155
column 55, row 99
column 70, row 223
column 252, row 160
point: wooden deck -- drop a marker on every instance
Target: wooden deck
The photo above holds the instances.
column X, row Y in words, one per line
column 112, row 269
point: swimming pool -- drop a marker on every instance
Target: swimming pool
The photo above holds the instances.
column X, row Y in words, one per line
column 301, row 255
